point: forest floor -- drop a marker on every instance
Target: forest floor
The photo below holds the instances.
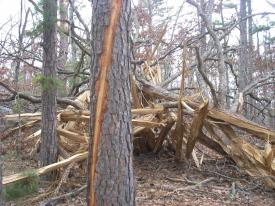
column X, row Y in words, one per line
column 159, row 181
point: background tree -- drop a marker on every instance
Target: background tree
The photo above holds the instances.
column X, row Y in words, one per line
column 110, row 161
column 48, row 148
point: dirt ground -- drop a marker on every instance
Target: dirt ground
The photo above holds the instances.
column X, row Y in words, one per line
column 159, row 181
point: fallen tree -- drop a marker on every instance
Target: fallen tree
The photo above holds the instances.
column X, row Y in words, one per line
column 156, row 125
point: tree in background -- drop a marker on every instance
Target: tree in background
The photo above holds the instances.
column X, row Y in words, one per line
column 48, row 148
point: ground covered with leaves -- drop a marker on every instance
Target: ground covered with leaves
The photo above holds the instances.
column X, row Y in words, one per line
column 159, row 181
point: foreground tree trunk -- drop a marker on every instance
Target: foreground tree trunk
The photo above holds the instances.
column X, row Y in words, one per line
column 48, row 150
column 1, row 165
column 110, row 180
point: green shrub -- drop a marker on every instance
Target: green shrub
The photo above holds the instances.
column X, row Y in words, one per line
column 22, row 188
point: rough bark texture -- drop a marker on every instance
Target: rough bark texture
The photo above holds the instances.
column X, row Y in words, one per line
column 48, row 151
column 64, row 39
column 1, row 165
column 243, row 47
column 110, row 179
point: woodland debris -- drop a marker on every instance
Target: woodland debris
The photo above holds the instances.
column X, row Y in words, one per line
column 163, row 119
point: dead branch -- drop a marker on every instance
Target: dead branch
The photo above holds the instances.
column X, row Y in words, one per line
column 36, row 100
column 55, row 200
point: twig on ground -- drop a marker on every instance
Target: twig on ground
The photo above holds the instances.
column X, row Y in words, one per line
column 57, row 199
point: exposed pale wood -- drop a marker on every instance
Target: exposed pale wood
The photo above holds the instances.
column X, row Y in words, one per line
column 134, row 91
column 26, row 117
column 164, row 131
column 219, row 115
column 72, row 135
column 46, row 169
column 196, row 127
column 157, row 110
column 32, row 136
column 22, row 127
column 145, row 123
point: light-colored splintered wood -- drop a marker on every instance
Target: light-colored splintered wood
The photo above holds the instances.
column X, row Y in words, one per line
column 157, row 110
column 72, row 135
column 12, row 130
column 134, row 92
column 164, row 132
column 196, row 127
column 25, row 116
column 32, row 136
column 43, row 170
column 146, row 123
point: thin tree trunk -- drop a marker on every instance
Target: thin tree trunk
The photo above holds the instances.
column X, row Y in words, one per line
column 243, row 47
column 110, row 176
column 64, row 39
column 73, row 46
column 48, row 149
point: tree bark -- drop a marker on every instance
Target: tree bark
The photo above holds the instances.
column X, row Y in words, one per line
column 110, row 170
column 1, row 167
column 64, row 39
column 48, row 151
column 243, row 47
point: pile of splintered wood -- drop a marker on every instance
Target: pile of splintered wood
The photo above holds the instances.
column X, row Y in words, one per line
column 161, row 118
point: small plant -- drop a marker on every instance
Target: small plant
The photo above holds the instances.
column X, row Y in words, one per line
column 17, row 106
column 22, row 188
column 47, row 83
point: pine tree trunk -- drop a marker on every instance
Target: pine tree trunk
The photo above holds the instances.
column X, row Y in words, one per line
column 110, row 180
column 48, row 149
column 1, row 166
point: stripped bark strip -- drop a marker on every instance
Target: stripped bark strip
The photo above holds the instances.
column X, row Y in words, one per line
column 195, row 129
column 102, row 89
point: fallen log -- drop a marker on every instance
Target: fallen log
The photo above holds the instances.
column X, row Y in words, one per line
column 43, row 170
column 218, row 115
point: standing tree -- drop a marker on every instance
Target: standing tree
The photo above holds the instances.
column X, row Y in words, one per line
column 243, row 47
column 110, row 178
column 64, row 39
column 48, row 150
column 1, row 165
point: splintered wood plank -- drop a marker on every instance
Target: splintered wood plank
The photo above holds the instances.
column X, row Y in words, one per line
column 84, row 115
column 25, row 116
column 251, row 127
column 144, row 111
column 164, row 132
column 32, row 136
column 196, row 127
column 134, row 91
column 219, row 115
column 146, row 123
column 72, row 135
column 24, row 126
column 43, row 170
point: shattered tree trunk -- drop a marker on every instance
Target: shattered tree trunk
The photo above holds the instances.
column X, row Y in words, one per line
column 110, row 178
column 48, row 149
